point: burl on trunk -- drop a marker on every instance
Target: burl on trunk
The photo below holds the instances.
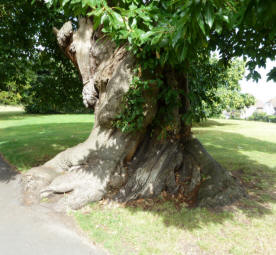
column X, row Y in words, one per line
column 125, row 166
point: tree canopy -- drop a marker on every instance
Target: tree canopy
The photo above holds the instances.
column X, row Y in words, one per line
column 177, row 30
column 182, row 34
column 32, row 70
column 178, row 33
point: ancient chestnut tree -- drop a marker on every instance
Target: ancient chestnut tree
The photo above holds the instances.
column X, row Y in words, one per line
column 136, row 60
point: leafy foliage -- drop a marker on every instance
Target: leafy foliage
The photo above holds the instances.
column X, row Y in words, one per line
column 253, row 35
column 261, row 116
column 178, row 34
column 177, row 29
column 132, row 115
column 181, row 34
column 215, row 89
column 54, row 88
column 33, row 70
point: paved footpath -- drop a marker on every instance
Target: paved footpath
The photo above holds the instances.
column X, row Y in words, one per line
column 35, row 230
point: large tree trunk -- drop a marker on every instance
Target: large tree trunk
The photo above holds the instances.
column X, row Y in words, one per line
column 126, row 166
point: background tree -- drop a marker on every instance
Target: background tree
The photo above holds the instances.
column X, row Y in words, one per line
column 222, row 91
column 31, row 69
column 42, row 79
column 254, row 36
column 136, row 60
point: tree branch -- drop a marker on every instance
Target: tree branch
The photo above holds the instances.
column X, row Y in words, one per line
column 64, row 35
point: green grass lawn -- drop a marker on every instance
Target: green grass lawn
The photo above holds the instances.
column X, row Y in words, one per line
column 28, row 140
column 248, row 149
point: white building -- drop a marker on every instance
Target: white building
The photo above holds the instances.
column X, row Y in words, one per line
column 257, row 107
column 272, row 106
column 268, row 108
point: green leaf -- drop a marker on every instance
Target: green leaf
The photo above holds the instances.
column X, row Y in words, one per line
column 201, row 23
column 104, row 18
column 144, row 37
column 156, row 39
column 74, row 1
column 96, row 22
column 218, row 28
column 64, row 2
column 225, row 18
column 176, row 37
column 133, row 23
column 183, row 53
column 92, row 3
column 209, row 16
column 272, row 75
column 118, row 19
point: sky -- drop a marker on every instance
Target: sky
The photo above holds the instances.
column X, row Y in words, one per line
column 262, row 90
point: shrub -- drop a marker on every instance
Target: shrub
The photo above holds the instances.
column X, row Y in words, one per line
column 9, row 98
column 261, row 116
column 272, row 118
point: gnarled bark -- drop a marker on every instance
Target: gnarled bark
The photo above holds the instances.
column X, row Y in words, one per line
column 125, row 166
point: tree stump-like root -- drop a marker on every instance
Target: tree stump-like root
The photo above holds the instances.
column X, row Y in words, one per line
column 72, row 188
column 123, row 167
column 183, row 170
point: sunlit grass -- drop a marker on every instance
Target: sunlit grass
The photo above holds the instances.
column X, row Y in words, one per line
column 28, row 140
column 248, row 149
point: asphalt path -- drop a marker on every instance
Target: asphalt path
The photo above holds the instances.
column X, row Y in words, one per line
column 35, row 230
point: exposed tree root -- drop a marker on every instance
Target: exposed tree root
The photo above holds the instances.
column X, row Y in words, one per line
column 186, row 171
column 119, row 166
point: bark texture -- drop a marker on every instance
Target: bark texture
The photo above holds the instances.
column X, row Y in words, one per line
column 125, row 166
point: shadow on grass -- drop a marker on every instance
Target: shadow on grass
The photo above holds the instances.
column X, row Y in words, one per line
column 7, row 173
column 211, row 123
column 12, row 115
column 258, row 179
column 32, row 145
column 20, row 115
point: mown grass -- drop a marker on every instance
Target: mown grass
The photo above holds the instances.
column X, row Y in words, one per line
column 248, row 149
column 28, row 140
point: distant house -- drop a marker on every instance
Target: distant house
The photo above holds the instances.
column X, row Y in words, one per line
column 257, row 107
column 268, row 108
column 271, row 106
